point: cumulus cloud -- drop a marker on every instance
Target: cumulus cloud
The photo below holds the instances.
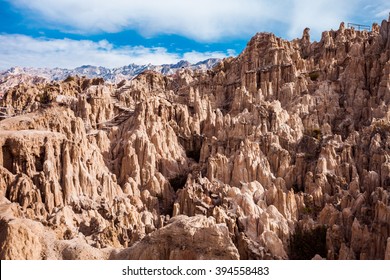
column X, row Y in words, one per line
column 381, row 9
column 319, row 15
column 202, row 20
column 21, row 50
column 199, row 19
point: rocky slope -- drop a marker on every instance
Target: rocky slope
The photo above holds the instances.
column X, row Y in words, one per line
column 280, row 153
column 16, row 75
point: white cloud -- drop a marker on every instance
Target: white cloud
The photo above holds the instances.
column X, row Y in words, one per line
column 383, row 14
column 381, row 10
column 199, row 19
column 319, row 15
column 202, row 20
column 21, row 50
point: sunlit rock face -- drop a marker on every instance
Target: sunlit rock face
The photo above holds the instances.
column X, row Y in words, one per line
column 286, row 146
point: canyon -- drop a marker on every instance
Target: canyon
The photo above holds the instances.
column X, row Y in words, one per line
column 282, row 152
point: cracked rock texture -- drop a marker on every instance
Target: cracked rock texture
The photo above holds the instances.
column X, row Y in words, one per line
column 243, row 161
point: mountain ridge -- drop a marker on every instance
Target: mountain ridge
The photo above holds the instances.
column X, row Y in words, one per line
column 113, row 75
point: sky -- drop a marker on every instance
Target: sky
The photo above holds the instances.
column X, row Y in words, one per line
column 114, row 33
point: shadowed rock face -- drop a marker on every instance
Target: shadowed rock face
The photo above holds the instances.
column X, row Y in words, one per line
column 247, row 160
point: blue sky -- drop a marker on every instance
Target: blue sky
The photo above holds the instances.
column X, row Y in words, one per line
column 113, row 33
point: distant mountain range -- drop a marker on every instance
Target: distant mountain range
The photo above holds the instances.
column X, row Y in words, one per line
column 113, row 75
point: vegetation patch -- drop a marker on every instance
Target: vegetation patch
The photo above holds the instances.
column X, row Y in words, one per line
column 45, row 98
column 314, row 76
column 69, row 79
column 316, row 133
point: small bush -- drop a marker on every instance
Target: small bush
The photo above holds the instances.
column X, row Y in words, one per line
column 307, row 210
column 316, row 133
column 45, row 98
column 310, row 156
column 69, row 79
column 314, row 76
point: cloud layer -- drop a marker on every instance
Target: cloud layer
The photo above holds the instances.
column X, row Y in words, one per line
column 21, row 50
column 202, row 20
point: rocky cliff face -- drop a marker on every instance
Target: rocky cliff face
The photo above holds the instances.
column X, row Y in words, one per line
column 281, row 152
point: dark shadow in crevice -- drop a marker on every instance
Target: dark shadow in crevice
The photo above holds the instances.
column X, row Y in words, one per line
column 178, row 182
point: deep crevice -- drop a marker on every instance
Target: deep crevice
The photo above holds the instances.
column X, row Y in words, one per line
column 178, row 182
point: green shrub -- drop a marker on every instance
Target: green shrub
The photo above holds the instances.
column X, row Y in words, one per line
column 45, row 98
column 310, row 156
column 69, row 79
column 316, row 133
column 314, row 76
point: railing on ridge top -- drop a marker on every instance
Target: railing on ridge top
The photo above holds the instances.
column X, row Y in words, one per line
column 359, row 26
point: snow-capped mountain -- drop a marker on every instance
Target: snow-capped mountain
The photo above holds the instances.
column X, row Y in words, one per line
column 113, row 75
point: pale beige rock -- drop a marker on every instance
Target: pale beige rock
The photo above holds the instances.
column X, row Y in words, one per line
column 184, row 238
column 288, row 133
column 273, row 243
column 317, row 258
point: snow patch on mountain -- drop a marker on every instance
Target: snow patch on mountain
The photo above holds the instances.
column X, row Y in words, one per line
column 113, row 75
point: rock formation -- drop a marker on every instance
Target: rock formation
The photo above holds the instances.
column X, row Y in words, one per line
column 285, row 146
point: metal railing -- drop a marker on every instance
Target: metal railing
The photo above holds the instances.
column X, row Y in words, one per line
column 359, row 26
